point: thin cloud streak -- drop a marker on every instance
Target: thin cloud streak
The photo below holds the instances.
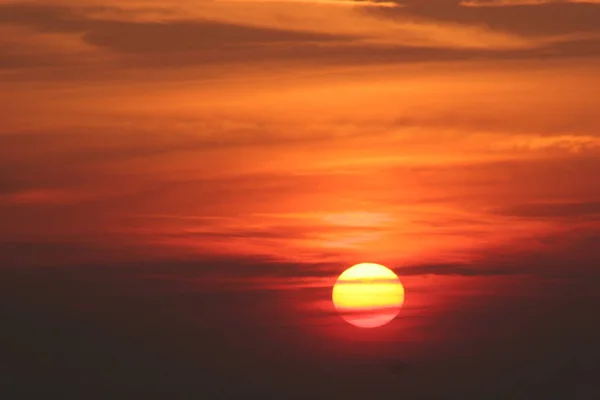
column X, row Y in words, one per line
column 516, row 3
column 343, row 3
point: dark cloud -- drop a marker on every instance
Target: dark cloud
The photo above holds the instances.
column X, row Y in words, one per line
column 177, row 43
column 201, row 42
column 109, row 257
column 65, row 252
column 466, row 269
column 533, row 20
column 12, row 58
column 278, row 232
column 147, row 37
column 553, row 210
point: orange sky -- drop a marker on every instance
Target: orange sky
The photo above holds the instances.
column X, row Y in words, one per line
column 412, row 133
column 207, row 168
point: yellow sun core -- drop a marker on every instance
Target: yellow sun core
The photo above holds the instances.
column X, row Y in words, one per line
column 368, row 295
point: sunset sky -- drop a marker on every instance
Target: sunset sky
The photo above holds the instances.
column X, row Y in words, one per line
column 182, row 181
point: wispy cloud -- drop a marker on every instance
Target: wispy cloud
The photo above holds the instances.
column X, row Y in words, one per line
column 513, row 3
column 342, row 3
column 570, row 143
column 47, row 197
column 556, row 209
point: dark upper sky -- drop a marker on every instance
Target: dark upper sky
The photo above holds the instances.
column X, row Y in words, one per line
column 182, row 181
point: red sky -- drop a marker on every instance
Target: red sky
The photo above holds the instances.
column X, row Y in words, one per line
column 262, row 147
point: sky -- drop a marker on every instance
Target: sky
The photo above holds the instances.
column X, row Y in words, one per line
column 181, row 182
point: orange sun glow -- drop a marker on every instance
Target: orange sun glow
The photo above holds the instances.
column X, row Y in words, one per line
column 368, row 295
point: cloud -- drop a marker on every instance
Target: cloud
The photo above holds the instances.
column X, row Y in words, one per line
column 584, row 209
column 60, row 251
column 545, row 19
column 377, row 28
column 218, row 24
column 341, row 3
column 46, row 197
column 23, row 48
column 107, row 36
column 466, row 270
column 570, row 143
column 516, row 3
column 141, row 37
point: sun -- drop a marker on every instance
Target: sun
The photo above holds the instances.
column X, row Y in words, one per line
column 368, row 295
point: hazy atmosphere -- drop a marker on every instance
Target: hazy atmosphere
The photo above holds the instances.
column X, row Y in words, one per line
column 182, row 181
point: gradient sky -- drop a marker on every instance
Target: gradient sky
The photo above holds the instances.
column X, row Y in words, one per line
column 214, row 165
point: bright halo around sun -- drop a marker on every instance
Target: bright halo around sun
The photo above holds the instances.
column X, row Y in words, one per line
column 368, row 295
